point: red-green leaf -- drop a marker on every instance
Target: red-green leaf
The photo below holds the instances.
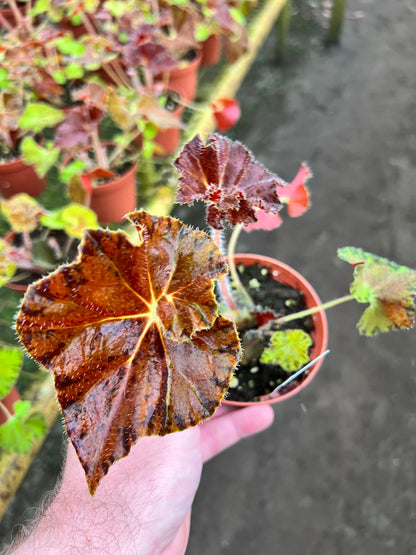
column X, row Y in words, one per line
column 388, row 287
column 225, row 175
column 132, row 336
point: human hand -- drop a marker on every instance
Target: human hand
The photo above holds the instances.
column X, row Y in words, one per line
column 143, row 505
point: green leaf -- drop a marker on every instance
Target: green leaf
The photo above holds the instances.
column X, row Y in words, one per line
column 73, row 218
column 4, row 78
column 40, row 6
column 289, row 348
column 69, row 45
column 59, row 76
column 73, row 169
column 202, row 32
column 19, row 432
column 74, row 71
column 41, row 158
column 238, row 16
column 11, row 359
column 388, row 287
column 39, row 115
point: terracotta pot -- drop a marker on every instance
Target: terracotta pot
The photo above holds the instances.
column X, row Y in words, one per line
column 211, row 51
column 8, row 15
column 169, row 139
column 18, row 177
column 8, row 402
column 115, row 199
column 184, row 80
column 287, row 275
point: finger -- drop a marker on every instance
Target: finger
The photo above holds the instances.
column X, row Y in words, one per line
column 223, row 431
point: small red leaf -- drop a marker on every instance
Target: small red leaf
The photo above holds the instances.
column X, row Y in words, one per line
column 87, row 179
column 226, row 176
column 226, row 113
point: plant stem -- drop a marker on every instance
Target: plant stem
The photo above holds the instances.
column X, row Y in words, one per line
column 283, row 23
column 233, row 270
column 26, row 241
column 101, row 157
column 7, row 413
column 335, row 24
column 314, row 310
column 68, row 242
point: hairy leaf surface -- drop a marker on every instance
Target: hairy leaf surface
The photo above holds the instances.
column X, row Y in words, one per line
column 225, row 175
column 388, row 287
column 289, row 348
column 132, row 335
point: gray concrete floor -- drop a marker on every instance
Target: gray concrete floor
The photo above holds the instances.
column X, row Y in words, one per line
column 338, row 478
column 341, row 477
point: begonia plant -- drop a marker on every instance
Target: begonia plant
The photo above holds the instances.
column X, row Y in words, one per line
column 132, row 329
column 38, row 240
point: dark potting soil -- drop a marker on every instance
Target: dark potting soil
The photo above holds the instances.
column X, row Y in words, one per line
column 253, row 378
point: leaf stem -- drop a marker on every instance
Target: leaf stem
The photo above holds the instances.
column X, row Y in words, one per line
column 233, row 270
column 6, row 412
column 314, row 310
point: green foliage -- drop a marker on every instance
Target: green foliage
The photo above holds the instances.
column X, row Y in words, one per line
column 41, row 158
column 69, row 45
column 39, row 115
column 202, row 32
column 288, row 348
column 72, row 218
column 11, row 359
column 71, row 170
column 388, row 287
column 22, row 428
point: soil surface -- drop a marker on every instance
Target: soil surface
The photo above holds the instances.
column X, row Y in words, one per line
column 254, row 378
column 335, row 474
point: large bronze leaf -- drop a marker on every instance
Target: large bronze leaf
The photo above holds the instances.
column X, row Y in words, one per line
column 132, row 335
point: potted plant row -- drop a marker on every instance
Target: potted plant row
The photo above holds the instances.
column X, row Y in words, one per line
column 166, row 354
column 98, row 91
column 38, row 240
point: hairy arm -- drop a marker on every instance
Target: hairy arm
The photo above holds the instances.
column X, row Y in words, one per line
column 143, row 505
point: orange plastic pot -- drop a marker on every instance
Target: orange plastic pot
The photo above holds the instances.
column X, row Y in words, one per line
column 112, row 201
column 8, row 15
column 184, row 80
column 287, row 275
column 18, row 177
column 169, row 139
column 210, row 51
